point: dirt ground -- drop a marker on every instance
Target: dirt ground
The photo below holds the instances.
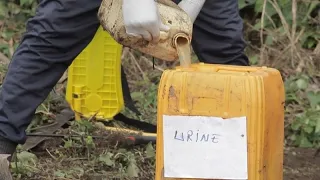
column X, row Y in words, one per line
column 71, row 158
column 301, row 164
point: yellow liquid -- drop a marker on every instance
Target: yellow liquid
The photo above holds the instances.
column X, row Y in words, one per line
column 184, row 52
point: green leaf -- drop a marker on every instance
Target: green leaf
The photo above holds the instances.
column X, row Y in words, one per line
column 314, row 99
column 132, row 170
column 282, row 31
column 291, row 97
column 293, row 137
column 26, row 157
column 269, row 40
column 270, row 11
column 4, row 47
column 122, row 150
column 305, row 143
column 295, row 125
column 302, row 83
column 317, row 130
column 3, row 9
column 78, row 170
column 244, row 3
column 106, row 159
column 254, row 59
column 137, row 95
column 59, row 173
column 26, row 2
column 308, row 129
column 89, row 141
column 312, row 6
column 258, row 6
column 241, row 4
column 68, row 143
column 150, row 152
column 311, row 43
column 286, row 9
column 14, row 8
column 284, row 3
column 85, row 125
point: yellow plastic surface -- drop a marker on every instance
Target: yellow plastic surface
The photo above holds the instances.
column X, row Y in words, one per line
column 94, row 79
column 229, row 91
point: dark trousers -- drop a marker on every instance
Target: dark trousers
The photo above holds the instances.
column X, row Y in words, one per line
column 61, row 29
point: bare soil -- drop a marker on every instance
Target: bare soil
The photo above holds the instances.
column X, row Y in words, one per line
column 301, row 164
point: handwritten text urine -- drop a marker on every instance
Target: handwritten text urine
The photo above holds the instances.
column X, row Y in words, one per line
column 196, row 136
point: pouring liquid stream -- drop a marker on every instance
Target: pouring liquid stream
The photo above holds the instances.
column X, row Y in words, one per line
column 184, row 52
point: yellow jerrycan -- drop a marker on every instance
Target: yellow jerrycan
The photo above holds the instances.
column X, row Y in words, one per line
column 220, row 122
column 111, row 19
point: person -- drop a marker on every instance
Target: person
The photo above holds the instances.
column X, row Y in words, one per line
column 61, row 29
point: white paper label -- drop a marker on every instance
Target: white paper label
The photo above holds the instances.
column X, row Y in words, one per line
column 205, row 147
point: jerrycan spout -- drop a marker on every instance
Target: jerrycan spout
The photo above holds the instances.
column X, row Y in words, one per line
column 181, row 39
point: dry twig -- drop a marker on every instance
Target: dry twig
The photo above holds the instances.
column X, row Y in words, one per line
column 261, row 32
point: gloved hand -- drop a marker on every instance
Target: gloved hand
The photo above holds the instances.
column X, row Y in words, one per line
column 142, row 19
column 192, row 7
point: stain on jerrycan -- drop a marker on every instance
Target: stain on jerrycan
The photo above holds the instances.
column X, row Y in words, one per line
column 111, row 19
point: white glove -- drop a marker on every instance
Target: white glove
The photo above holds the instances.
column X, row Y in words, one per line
column 142, row 19
column 192, row 7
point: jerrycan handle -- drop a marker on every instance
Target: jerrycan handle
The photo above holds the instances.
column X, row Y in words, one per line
column 237, row 69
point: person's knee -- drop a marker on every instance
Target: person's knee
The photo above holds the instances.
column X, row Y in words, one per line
column 61, row 27
column 59, row 24
column 218, row 36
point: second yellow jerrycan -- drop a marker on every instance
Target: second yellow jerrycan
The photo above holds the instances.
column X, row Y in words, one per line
column 220, row 122
column 111, row 19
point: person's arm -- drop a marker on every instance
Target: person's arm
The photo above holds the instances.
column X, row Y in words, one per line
column 142, row 19
column 192, row 7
